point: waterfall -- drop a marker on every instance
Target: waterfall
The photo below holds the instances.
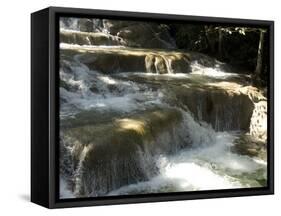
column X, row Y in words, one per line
column 213, row 167
column 135, row 120
column 206, row 164
column 82, row 25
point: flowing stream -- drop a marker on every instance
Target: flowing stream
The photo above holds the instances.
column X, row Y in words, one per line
column 132, row 128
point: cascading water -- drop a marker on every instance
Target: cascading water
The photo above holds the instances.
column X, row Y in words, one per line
column 159, row 129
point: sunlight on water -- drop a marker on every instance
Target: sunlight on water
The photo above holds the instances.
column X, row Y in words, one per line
column 208, row 168
column 89, row 47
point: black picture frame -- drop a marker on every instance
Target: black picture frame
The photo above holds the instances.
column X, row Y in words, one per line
column 45, row 106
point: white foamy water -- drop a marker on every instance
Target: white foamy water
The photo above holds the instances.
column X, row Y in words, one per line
column 148, row 74
column 87, row 47
column 200, row 168
column 216, row 71
column 207, row 164
column 93, row 90
column 64, row 190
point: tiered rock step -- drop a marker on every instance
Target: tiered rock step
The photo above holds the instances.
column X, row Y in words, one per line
column 107, row 151
column 89, row 38
column 107, row 156
column 121, row 59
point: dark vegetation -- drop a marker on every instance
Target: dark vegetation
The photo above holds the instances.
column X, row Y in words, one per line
column 244, row 48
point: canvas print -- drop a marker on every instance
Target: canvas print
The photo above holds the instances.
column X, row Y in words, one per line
column 152, row 107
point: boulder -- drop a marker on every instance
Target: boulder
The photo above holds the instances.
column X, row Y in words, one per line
column 86, row 25
column 141, row 34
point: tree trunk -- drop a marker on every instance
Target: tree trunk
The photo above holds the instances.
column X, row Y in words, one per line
column 220, row 44
column 260, row 54
column 209, row 40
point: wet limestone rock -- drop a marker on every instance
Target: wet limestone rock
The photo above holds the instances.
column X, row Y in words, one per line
column 258, row 123
column 141, row 34
column 86, row 25
column 90, row 38
column 81, row 24
column 114, row 60
column 162, row 64
column 218, row 107
column 251, row 146
column 180, row 63
column 108, row 156
column 129, row 33
column 110, row 63
column 258, row 126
